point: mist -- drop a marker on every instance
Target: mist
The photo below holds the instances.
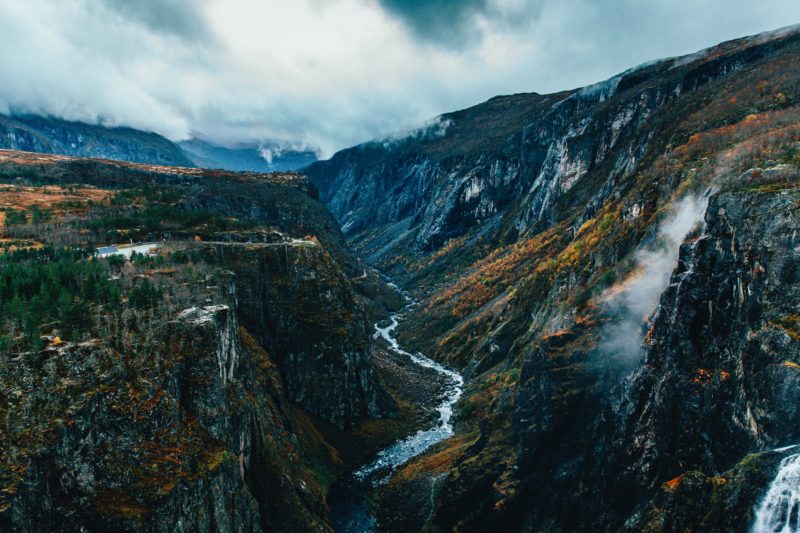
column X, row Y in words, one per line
column 633, row 301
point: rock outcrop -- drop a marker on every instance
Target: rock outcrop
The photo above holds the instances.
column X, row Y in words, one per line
column 201, row 395
column 299, row 305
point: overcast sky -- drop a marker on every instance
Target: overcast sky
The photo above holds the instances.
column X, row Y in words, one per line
column 332, row 73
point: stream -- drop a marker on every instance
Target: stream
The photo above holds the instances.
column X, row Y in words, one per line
column 349, row 501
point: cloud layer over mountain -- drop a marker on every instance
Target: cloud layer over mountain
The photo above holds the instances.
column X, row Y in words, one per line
column 331, row 73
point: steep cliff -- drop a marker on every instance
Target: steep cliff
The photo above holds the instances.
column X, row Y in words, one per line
column 517, row 164
column 195, row 387
column 541, row 234
column 300, row 306
column 720, row 377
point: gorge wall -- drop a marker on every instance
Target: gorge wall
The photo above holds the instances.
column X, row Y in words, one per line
column 523, row 222
column 201, row 391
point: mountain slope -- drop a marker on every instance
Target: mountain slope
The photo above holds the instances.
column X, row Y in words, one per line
column 55, row 136
column 543, row 252
column 514, row 157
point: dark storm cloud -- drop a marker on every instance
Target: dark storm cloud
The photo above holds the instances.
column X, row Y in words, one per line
column 456, row 22
column 180, row 18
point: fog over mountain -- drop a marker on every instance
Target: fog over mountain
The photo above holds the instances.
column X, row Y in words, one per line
column 335, row 73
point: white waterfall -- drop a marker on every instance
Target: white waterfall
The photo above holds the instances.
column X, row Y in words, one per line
column 778, row 512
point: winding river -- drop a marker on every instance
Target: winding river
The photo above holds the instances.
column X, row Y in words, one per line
column 349, row 499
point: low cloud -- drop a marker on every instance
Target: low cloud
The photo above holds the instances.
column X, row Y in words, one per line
column 430, row 129
column 330, row 73
column 272, row 150
column 633, row 301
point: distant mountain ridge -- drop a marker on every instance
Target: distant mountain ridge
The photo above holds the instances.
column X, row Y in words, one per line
column 251, row 157
column 33, row 133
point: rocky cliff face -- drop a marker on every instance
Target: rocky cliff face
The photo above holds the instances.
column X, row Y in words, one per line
column 300, row 306
column 719, row 358
column 196, row 399
column 519, row 161
column 54, row 136
column 187, row 426
column 605, row 390
column 717, row 381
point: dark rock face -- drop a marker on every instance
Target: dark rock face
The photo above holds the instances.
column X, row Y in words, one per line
column 54, row 136
column 182, row 445
column 517, row 157
column 698, row 502
column 720, row 379
column 715, row 362
column 190, row 424
column 201, row 412
column 300, row 306
column 514, row 219
column 434, row 184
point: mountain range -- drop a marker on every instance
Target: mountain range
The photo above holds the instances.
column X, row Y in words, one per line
column 35, row 133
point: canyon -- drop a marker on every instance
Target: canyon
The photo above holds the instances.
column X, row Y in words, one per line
column 603, row 282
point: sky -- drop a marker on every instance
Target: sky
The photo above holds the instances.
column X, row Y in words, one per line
column 328, row 74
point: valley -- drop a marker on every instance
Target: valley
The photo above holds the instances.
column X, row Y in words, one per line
column 593, row 326
column 350, row 499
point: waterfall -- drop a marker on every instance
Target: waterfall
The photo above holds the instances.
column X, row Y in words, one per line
column 778, row 512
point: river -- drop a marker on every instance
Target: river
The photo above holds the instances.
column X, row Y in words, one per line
column 349, row 500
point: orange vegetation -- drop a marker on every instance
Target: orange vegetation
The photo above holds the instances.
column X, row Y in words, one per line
column 746, row 143
column 673, row 483
column 490, row 276
column 558, row 334
column 57, row 201
column 436, row 463
column 704, row 376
